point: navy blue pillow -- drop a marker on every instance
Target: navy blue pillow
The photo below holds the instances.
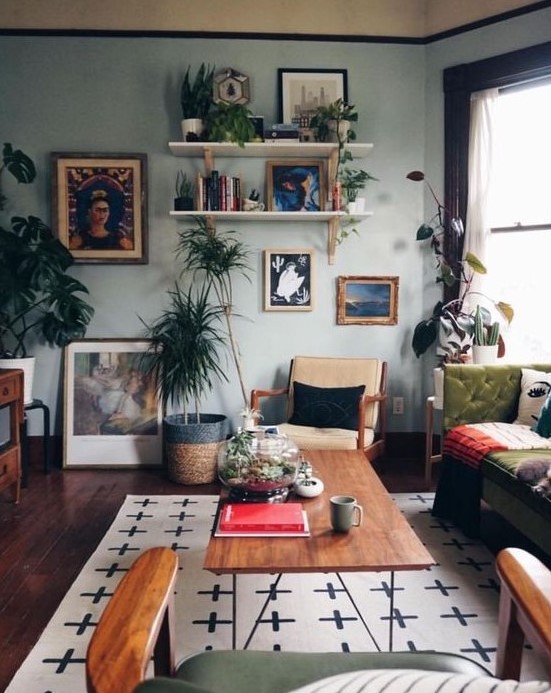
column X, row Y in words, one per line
column 326, row 407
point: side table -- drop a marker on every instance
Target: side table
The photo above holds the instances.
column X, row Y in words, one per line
column 430, row 458
column 36, row 404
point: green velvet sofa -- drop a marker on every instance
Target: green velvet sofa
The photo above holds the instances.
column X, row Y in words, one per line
column 477, row 394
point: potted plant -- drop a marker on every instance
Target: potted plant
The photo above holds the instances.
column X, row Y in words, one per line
column 451, row 322
column 185, row 192
column 38, row 298
column 353, row 181
column 230, row 122
column 186, row 345
column 485, row 337
column 184, row 358
column 196, row 101
column 332, row 123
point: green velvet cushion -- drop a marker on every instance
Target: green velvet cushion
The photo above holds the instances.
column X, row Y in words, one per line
column 326, row 407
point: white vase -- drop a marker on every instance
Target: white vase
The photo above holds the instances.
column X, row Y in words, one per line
column 27, row 366
column 484, row 354
column 192, row 126
column 438, row 375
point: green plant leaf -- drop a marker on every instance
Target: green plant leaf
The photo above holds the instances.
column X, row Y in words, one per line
column 18, row 164
column 475, row 264
column 423, row 232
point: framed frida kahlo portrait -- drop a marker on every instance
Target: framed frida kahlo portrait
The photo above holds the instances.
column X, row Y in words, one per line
column 295, row 185
column 367, row 301
column 100, row 206
column 112, row 416
column 288, row 279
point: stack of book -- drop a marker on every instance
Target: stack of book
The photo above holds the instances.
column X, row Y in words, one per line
column 262, row 520
column 218, row 193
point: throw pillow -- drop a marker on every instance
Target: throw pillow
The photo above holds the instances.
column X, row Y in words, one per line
column 326, row 407
column 413, row 681
column 534, row 386
column 543, row 426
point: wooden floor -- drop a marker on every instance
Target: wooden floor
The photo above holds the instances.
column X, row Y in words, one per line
column 47, row 538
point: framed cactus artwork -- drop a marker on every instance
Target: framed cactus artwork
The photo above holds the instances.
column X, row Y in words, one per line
column 289, row 279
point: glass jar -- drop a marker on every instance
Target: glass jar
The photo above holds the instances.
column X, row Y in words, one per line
column 258, row 466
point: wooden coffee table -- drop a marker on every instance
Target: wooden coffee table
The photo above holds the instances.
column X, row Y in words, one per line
column 384, row 542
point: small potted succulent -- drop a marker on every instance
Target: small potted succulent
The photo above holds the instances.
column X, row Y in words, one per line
column 485, row 337
column 185, row 190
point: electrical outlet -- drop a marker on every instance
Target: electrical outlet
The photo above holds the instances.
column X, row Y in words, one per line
column 397, row 405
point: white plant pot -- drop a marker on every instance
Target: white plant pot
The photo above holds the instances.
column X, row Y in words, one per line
column 438, row 375
column 360, row 205
column 27, row 366
column 484, row 354
column 192, row 126
column 343, row 128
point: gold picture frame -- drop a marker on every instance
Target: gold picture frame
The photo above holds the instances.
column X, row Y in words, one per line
column 367, row 300
column 295, row 185
column 100, row 206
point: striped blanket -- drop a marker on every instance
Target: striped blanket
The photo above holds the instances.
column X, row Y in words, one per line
column 470, row 443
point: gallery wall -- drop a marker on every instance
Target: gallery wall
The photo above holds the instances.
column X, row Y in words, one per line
column 116, row 95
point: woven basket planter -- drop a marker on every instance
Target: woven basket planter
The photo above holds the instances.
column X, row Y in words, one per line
column 192, row 448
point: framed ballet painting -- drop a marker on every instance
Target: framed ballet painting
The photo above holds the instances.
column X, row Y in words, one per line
column 100, row 206
column 288, row 279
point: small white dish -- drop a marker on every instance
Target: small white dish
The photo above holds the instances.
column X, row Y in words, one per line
column 308, row 488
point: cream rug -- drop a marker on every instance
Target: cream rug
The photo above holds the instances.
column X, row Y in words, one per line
column 452, row 606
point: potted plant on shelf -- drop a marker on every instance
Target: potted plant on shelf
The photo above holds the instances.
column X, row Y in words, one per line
column 185, row 191
column 185, row 351
column 196, row 101
column 332, row 123
column 38, row 298
column 353, row 181
column 230, row 123
column 451, row 323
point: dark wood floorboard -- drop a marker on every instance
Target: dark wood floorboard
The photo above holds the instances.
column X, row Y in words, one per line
column 62, row 516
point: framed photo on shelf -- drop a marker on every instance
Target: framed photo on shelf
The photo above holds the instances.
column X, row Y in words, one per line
column 295, row 185
column 112, row 416
column 288, row 279
column 367, row 301
column 302, row 90
column 100, row 206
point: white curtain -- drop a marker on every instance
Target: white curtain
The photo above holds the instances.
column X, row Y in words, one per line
column 481, row 161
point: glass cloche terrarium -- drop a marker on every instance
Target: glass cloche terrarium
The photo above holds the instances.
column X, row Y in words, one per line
column 258, row 466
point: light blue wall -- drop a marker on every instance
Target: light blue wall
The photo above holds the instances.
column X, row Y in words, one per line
column 121, row 95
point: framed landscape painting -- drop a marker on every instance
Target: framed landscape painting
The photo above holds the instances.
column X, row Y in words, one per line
column 112, row 415
column 288, row 279
column 302, row 90
column 367, row 300
column 100, row 206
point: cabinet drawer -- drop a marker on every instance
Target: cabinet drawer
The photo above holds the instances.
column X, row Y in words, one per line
column 8, row 389
column 9, row 467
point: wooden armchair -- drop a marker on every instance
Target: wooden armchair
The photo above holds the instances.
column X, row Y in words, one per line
column 138, row 624
column 318, row 408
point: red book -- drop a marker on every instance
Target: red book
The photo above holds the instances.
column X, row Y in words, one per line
column 262, row 517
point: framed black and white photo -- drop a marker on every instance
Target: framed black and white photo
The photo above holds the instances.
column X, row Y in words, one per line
column 367, row 301
column 112, row 415
column 302, row 90
column 288, row 279
column 100, row 206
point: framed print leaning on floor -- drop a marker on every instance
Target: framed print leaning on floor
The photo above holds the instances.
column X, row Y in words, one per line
column 112, row 415
column 367, row 301
column 100, row 206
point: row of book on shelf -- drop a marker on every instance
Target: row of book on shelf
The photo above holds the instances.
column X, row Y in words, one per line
column 218, row 193
column 262, row 519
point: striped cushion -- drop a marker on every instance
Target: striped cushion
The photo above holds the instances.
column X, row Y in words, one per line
column 418, row 681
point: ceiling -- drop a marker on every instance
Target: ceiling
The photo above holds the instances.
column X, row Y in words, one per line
column 413, row 19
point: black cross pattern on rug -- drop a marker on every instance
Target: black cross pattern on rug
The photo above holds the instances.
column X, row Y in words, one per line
column 330, row 590
column 275, row 620
column 63, row 662
column 385, row 587
column 140, row 516
column 212, row 622
column 185, row 502
column 459, row 616
column 443, row 525
column 490, row 584
column 121, row 550
column 179, row 547
column 112, row 570
column 458, row 544
column 422, row 499
column 133, row 531
column 82, row 625
column 98, row 595
column 183, row 515
column 146, row 502
column 216, row 592
column 399, row 618
column 273, row 592
column 338, row 619
column 479, row 649
column 472, row 563
column 443, row 589
column 178, row 531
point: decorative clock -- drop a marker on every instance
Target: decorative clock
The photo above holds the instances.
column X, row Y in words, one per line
column 231, row 86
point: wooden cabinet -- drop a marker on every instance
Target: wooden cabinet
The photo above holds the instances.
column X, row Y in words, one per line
column 11, row 395
column 208, row 151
